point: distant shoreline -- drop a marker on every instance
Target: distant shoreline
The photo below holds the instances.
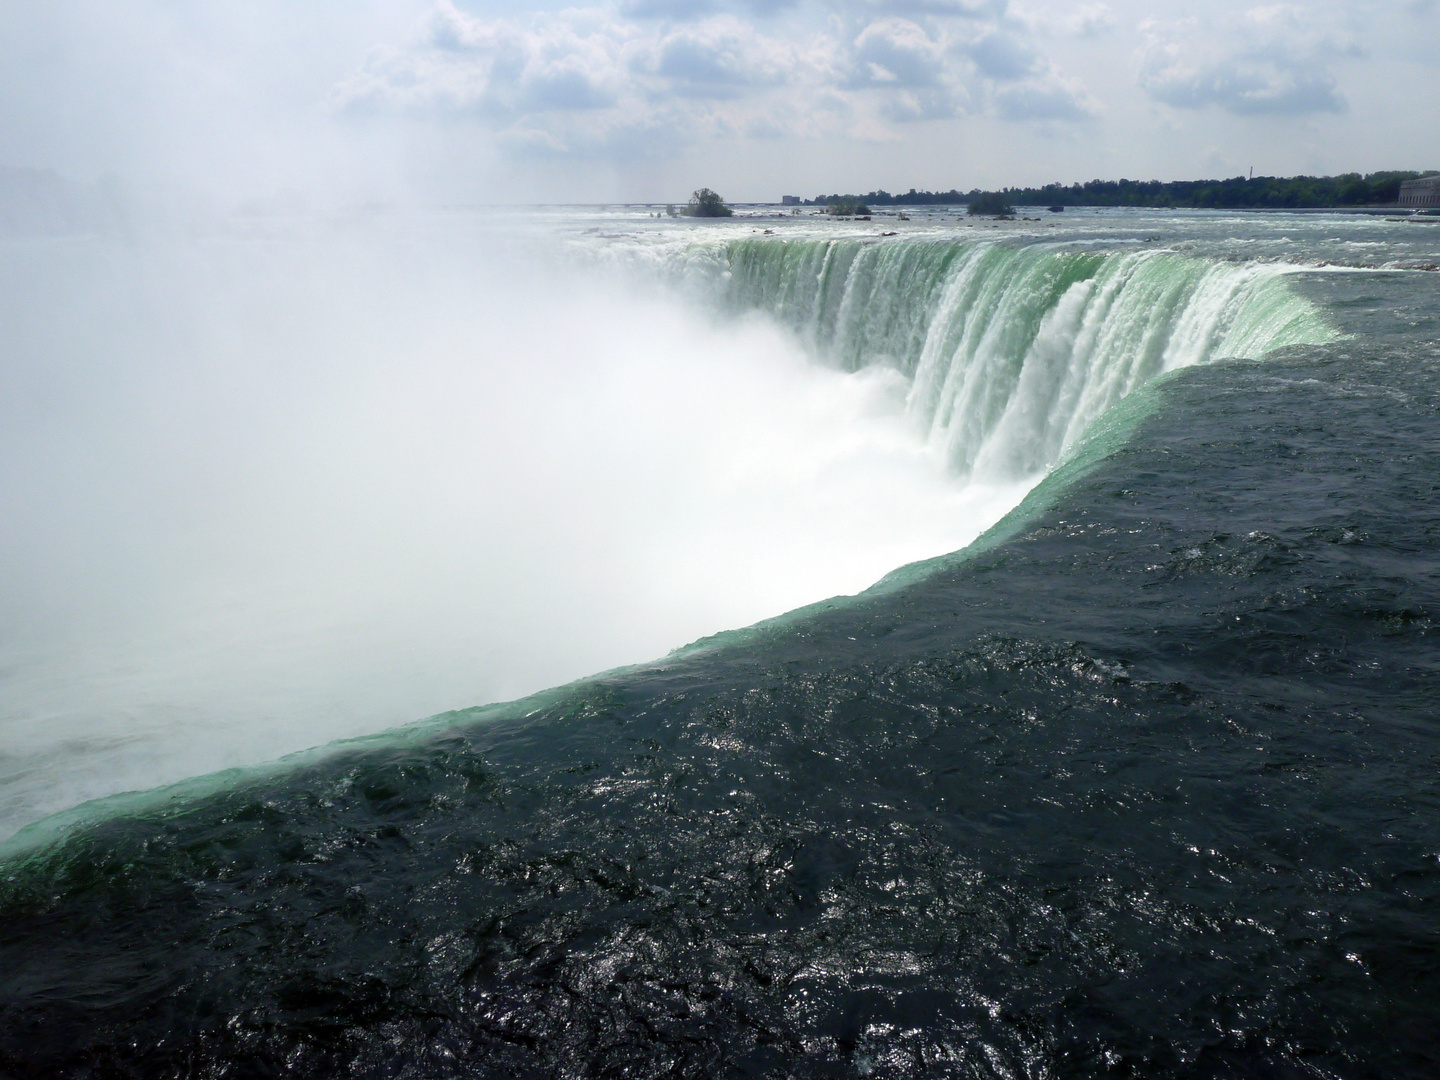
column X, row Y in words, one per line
column 1383, row 210
column 1372, row 192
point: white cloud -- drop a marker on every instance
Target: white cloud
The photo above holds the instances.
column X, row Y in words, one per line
column 962, row 9
column 1271, row 60
column 1047, row 96
column 497, row 69
column 1000, row 55
column 899, row 52
column 687, row 10
column 721, row 58
column 1090, row 20
column 588, row 81
column 677, row 10
column 1084, row 21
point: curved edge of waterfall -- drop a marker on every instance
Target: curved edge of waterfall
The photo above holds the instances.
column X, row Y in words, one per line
column 1013, row 351
column 1109, row 433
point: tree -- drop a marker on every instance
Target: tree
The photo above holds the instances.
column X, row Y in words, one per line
column 990, row 202
column 705, row 203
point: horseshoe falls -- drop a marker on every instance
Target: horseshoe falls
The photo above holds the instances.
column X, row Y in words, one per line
column 1011, row 352
column 1044, row 615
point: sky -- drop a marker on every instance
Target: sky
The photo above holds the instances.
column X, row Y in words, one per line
column 645, row 100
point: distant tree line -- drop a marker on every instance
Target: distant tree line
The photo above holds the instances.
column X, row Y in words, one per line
column 884, row 198
column 1260, row 192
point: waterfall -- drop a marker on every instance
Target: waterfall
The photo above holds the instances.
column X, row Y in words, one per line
column 1011, row 351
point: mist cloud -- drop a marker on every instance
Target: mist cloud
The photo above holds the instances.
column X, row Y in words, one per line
column 301, row 478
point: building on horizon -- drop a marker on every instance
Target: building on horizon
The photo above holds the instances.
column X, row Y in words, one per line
column 789, row 200
column 1424, row 192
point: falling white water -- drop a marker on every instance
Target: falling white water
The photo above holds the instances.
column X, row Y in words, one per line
column 1013, row 349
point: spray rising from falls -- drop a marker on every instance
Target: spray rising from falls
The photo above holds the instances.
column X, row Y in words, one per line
column 1012, row 351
